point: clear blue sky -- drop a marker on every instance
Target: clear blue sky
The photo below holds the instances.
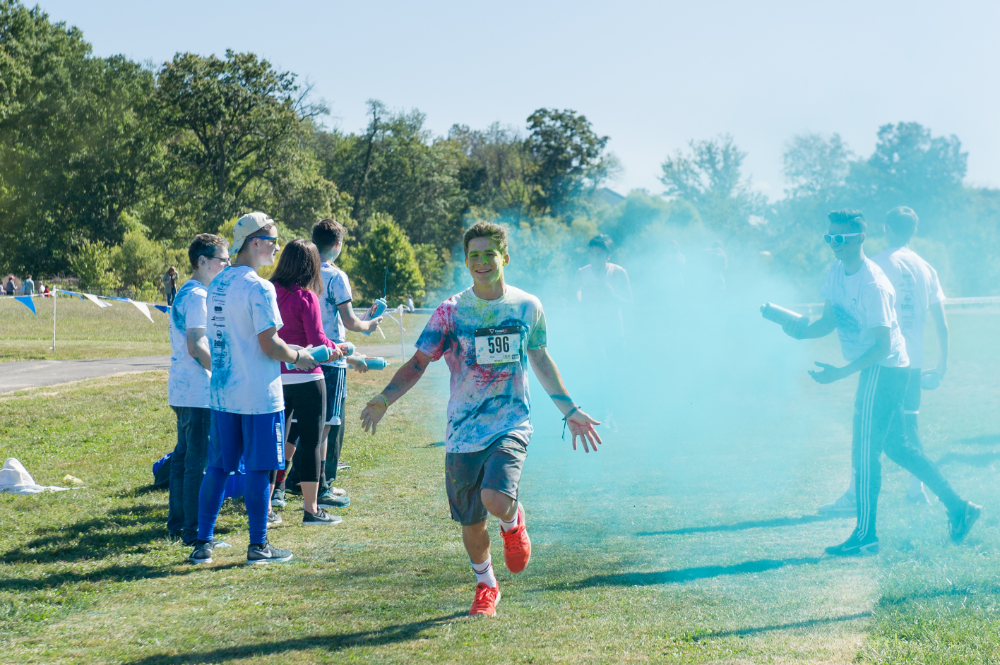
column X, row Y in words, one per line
column 651, row 75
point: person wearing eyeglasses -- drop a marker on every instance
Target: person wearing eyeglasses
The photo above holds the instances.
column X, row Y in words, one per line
column 187, row 385
column 918, row 292
column 245, row 394
column 860, row 305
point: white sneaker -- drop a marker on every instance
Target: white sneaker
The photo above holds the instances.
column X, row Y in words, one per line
column 845, row 505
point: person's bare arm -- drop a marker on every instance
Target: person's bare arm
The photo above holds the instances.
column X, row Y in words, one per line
column 877, row 353
column 941, row 326
column 821, row 327
column 275, row 348
column 197, row 346
column 405, row 378
column 580, row 424
column 353, row 323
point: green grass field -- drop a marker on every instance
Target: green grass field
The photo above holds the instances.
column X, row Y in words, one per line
column 84, row 330
column 632, row 562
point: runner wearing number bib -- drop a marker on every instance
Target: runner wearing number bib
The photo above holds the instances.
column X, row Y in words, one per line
column 487, row 335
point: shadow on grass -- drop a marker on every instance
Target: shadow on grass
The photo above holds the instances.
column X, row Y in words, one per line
column 119, row 531
column 980, row 459
column 691, row 574
column 369, row 638
column 743, row 632
column 109, row 574
column 741, row 526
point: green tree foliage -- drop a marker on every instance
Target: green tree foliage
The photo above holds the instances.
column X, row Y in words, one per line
column 498, row 170
column 397, row 167
column 76, row 140
column 237, row 134
column 92, row 262
column 386, row 260
column 816, row 166
column 569, row 158
column 710, row 178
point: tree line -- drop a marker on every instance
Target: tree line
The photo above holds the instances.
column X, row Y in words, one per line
column 108, row 167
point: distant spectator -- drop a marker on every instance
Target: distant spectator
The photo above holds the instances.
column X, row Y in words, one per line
column 27, row 286
column 601, row 283
column 409, row 304
column 9, row 287
column 170, row 285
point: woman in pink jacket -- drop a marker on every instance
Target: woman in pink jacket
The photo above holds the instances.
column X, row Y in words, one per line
column 297, row 283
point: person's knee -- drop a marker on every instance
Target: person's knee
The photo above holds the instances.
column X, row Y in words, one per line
column 497, row 503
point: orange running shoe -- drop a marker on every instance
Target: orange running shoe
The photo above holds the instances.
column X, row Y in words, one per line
column 486, row 600
column 516, row 544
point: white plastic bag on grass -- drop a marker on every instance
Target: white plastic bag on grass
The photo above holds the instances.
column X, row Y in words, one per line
column 15, row 479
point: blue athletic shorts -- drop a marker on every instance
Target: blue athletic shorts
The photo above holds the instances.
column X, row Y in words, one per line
column 259, row 439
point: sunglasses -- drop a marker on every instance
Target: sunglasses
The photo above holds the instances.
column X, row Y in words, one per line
column 839, row 238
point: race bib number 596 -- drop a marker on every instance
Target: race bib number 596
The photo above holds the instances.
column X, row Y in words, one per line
column 498, row 345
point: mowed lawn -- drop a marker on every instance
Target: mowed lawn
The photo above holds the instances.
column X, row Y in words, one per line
column 708, row 551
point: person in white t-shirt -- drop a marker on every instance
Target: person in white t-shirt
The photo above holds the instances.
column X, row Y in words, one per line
column 338, row 317
column 245, row 394
column 918, row 292
column 860, row 306
column 602, row 285
column 187, row 385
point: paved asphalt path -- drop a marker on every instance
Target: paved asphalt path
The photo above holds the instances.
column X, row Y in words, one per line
column 36, row 373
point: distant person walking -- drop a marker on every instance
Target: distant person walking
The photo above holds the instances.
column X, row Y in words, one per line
column 188, row 384
column 170, row 285
column 27, row 286
column 9, row 288
column 860, row 306
column 918, row 292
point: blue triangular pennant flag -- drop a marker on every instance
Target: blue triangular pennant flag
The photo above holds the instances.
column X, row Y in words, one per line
column 27, row 302
column 162, row 308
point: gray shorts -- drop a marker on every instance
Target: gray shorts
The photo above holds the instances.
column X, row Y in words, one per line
column 497, row 467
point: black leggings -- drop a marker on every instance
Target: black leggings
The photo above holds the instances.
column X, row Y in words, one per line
column 306, row 402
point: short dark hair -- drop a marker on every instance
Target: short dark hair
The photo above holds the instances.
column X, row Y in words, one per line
column 494, row 232
column 299, row 265
column 204, row 244
column 852, row 218
column 327, row 233
column 602, row 241
column 903, row 221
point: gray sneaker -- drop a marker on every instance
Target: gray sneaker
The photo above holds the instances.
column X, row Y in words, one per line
column 261, row 555
column 202, row 552
column 273, row 518
column 320, row 518
column 278, row 498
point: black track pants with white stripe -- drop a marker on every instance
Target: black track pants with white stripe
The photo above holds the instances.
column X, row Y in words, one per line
column 879, row 427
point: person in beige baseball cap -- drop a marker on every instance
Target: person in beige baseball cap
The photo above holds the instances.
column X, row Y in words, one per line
column 252, row 225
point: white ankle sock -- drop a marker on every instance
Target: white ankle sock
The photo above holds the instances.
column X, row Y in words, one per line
column 507, row 526
column 484, row 573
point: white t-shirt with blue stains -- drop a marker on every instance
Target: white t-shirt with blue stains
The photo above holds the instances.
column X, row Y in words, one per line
column 336, row 292
column 861, row 302
column 241, row 305
column 188, row 381
column 489, row 391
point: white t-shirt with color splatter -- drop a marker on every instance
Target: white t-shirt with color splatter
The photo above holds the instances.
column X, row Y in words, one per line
column 484, row 343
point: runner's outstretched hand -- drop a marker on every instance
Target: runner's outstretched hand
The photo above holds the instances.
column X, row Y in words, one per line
column 372, row 413
column 581, row 425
